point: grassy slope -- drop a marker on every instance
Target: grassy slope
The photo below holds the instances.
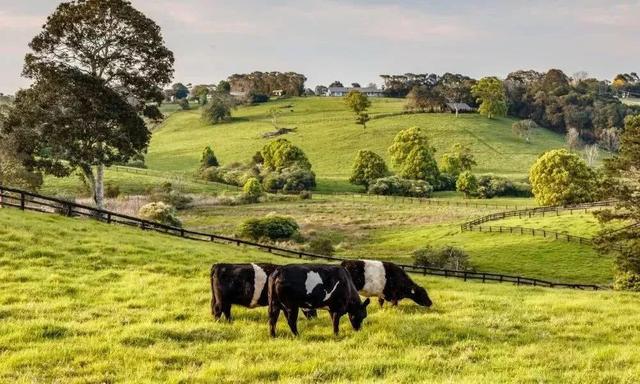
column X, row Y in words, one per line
column 392, row 230
column 83, row 302
column 330, row 138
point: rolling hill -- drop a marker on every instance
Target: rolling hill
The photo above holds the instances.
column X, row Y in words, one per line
column 83, row 302
column 327, row 133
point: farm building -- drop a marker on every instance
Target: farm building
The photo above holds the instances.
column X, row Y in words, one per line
column 342, row 91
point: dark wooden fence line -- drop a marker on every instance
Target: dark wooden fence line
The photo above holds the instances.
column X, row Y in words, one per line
column 11, row 197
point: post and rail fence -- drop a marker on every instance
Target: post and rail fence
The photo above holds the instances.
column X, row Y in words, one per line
column 24, row 200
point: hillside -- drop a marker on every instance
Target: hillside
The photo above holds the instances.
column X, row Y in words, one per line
column 330, row 138
column 83, row 301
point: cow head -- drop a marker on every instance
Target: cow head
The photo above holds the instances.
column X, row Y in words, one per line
column 358, row 313
column 420, row 296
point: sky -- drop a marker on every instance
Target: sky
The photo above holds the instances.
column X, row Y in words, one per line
column 357, row 40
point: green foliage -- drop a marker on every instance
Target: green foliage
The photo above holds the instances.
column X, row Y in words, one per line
column 321, row 246
column 235, row 173
column 218, row 108
column 396, row 186
column 491, row 97
column 281, row 154
column 467, row 183
column 524, row 129
column 358, row 103
column 559, row 177
column 160, row 212
column 492, row 186
column 180, row 91
column 413, row 155
column 223, row 87
column 367, row 167
column 447, row 257
column 254, row 97
column 252, row 190
column 290, row 180
column 166, row 193
column 458, row 159
column 425, row 99
column 627, row 281
column 111, row 191
column 269, row 227
column 12, row 170
column 184, row 104
column 208, row 158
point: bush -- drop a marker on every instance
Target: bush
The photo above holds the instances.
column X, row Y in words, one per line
column 111, row 191
column 270, row 227
column 254, row 97
column 467, row 184
column 396, row 186
column 447, row 258
column 184, row 104
column 321, row 246
column 446, row 182
column 367, row 167
column 160, row 212
column 218, row 109
column 412, row 154
column 305, row 195
column 458, row 159
column 252, row 190
column 290, row 180
column 166, row 194
column 208, row 159
column 280, row 154
column 560, row 177
column 627, row 281
column 234, row 174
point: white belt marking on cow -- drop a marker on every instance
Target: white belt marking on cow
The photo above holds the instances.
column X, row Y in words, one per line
column 259, row 281
column 313, row 280
column 374, row 278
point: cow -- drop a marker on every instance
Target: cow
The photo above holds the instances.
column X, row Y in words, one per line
column 241, row 284
column 314, row 286
column 386, row 281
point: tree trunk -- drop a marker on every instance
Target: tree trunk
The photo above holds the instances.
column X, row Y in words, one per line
column 456, row 111
column 99, row 187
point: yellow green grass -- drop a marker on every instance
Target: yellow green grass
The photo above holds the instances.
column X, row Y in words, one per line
column 85, row 302
column 327, row 133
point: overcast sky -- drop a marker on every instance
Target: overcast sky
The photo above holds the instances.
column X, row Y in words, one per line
column 355, row 41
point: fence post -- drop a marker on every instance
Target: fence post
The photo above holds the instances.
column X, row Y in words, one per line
column 22, row 200
column 518, row 280
column 108, row 218
column 465, row 275
column 483, row 277
column 181, row 232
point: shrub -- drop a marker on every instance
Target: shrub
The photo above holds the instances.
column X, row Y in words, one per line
column 367, row 167
column 396, row 186
column 218, row 109
column 458, row 159
column 289, row 180
column 208, row 158
column 254, row 97
column 559, row 177
column 321, row 246
column 280, row 154
column 111, row 191
column 447, row 258
column 234, row 173
column 627, row 281
column 167, row 194
column 467, row 184
column 446, row 182
column 269, row 227
column 160, row 212
column 184, row 104
column 413, row 156
column 305, row 195
column 252, row 190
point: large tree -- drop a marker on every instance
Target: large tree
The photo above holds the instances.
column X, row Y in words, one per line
column 367, row 167
column 70, row 120
column 123, row 51
column 456, row 89
column 413, row 156
column 624, row 185
column 358, row 103
column 491, row 97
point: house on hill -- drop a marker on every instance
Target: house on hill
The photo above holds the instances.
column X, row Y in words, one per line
column 343, row 91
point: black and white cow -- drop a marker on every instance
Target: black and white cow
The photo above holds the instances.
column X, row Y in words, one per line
column 314, row 286
column 386, row 281
column 241, row 284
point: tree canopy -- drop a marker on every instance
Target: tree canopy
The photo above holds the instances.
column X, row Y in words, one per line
column 367, row 167
column 413, row 156
column 358, row 103
column 491, row 97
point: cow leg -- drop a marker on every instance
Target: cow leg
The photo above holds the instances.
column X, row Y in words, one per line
column 335, row 317
column 309, row 313
column 274, row 313
column 217, row 310
column 380, row 301
column 226, row 309
column 292, row 319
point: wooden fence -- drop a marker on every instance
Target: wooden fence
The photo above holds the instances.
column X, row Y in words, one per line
column 11, row 197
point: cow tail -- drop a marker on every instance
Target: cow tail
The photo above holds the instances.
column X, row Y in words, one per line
column 214, row 268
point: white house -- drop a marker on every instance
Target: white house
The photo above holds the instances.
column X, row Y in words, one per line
column 343, row 91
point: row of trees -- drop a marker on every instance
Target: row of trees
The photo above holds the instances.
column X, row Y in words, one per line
column 291, row 83
column 98, row 67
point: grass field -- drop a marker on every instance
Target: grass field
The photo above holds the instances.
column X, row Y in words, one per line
column 330, row 138
column 631, row 101
column 86, row 302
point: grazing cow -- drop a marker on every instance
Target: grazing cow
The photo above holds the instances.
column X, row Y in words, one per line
column 241, row 284
column 314, row 286
column 386, row 281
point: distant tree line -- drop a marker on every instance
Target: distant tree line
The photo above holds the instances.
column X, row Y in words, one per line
column 291, row 83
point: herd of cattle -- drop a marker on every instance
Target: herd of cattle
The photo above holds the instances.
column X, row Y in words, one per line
column 308, row 287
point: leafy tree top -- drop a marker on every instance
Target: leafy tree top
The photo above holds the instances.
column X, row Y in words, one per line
column 357, row 101
column 109, row 39
column 491, row 96
column 367, row 167
column 406, row 141
column 281, row 154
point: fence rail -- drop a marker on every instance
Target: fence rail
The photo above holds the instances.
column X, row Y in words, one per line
column 186, row 175
column 11, row 197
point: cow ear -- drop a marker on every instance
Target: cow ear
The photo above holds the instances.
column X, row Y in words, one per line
column 366, row 302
